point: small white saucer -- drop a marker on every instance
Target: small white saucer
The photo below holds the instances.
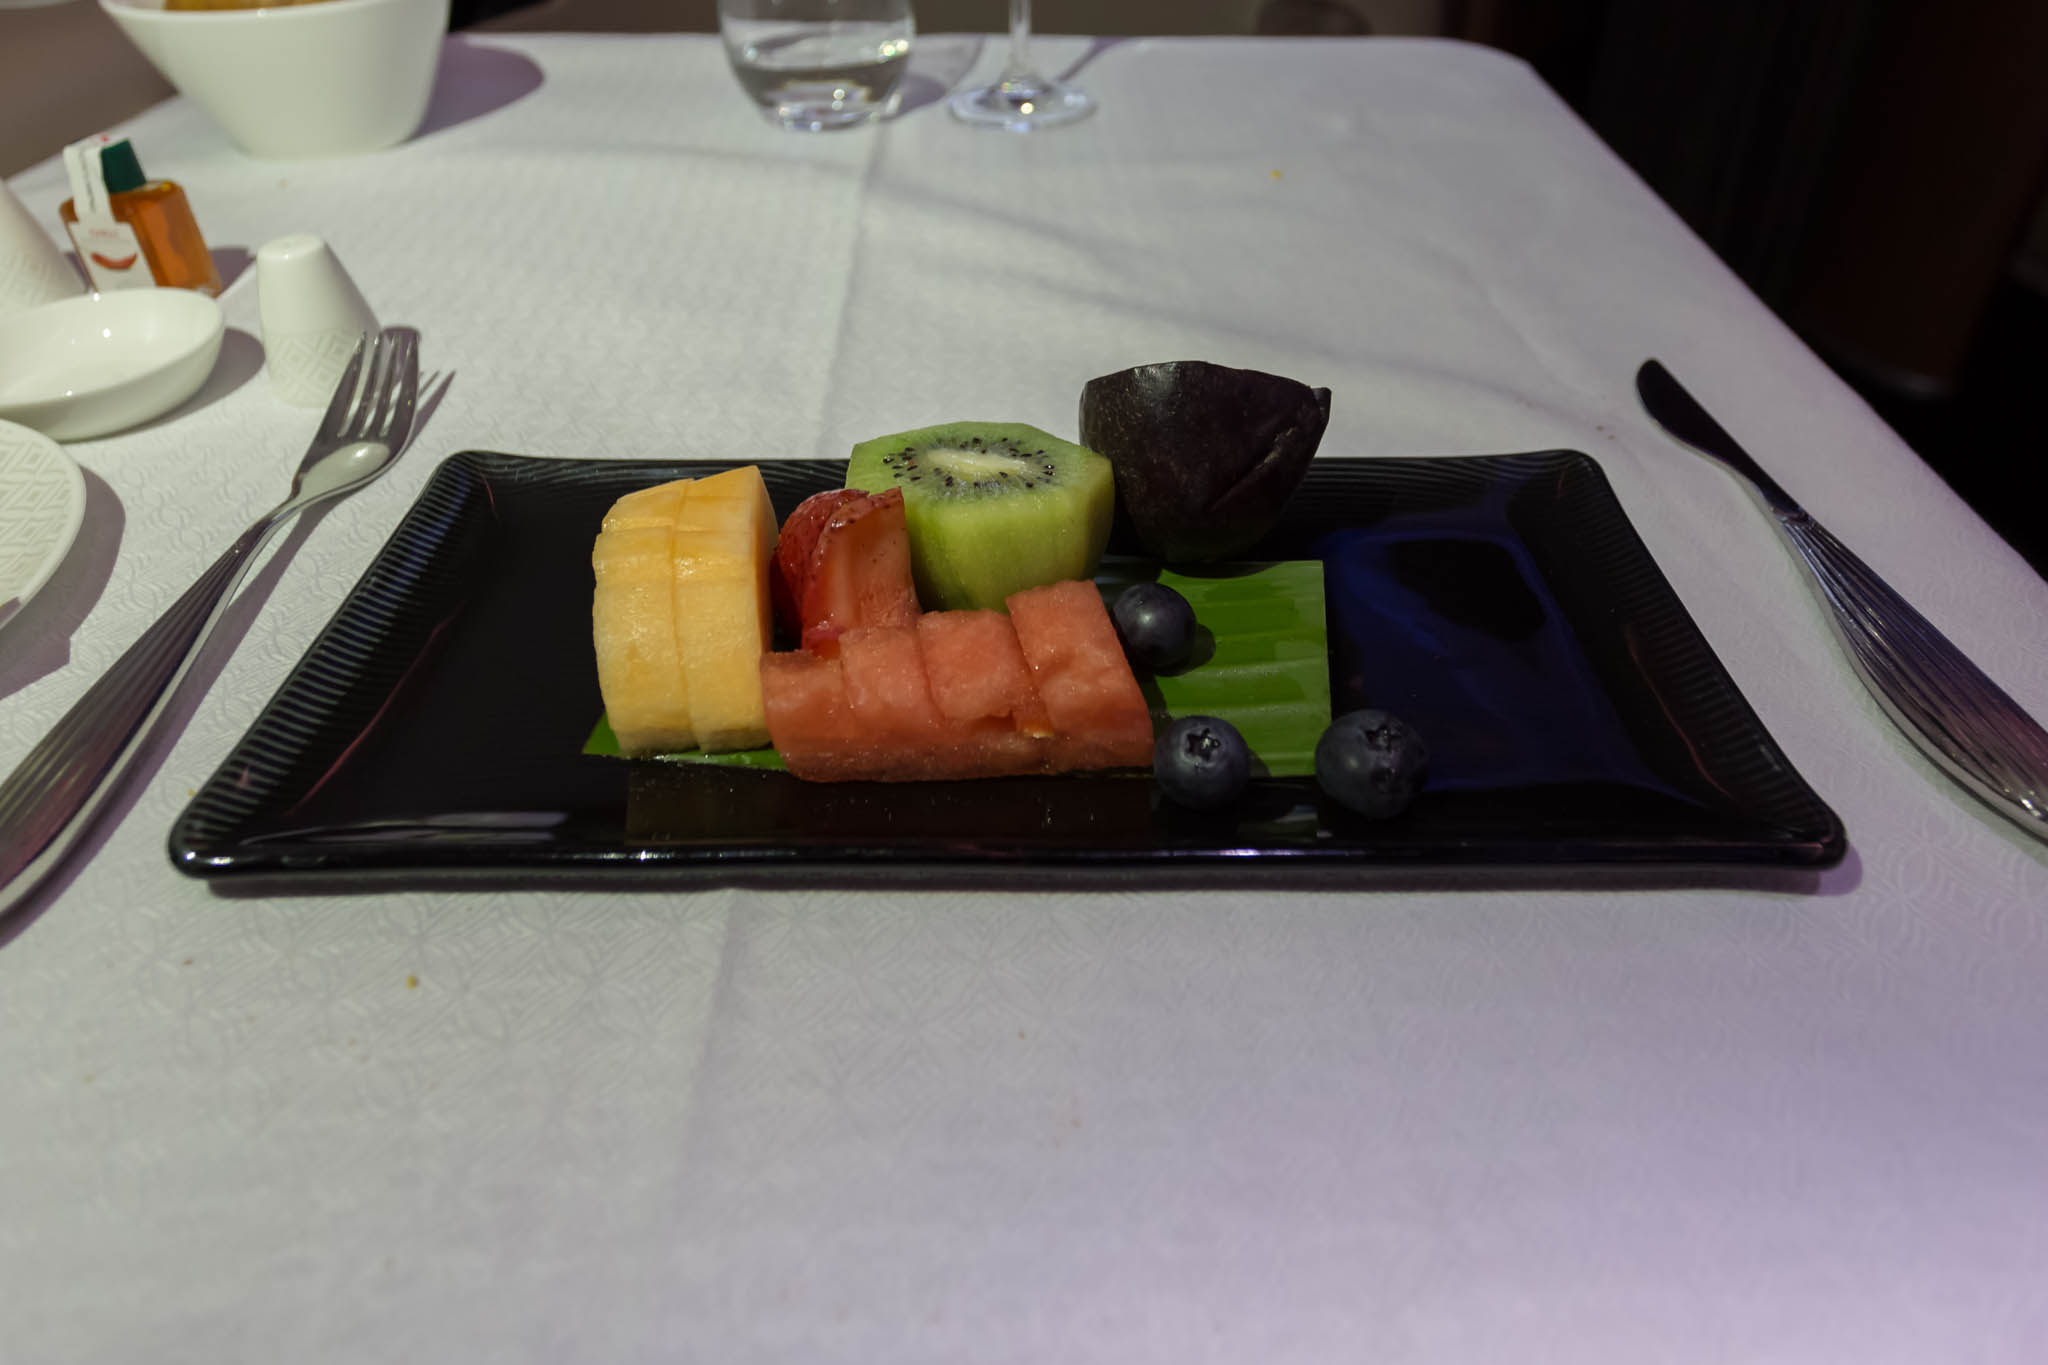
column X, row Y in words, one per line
column 42, row 504
column 98, row 363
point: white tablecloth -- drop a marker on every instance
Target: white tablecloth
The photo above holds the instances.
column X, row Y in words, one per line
column 1663, row 1125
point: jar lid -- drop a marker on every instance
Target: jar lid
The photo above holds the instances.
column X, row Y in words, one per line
column 120, row 167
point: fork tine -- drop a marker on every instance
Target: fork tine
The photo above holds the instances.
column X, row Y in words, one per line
column 407, row 363
column 332, row 425
column 376, row 390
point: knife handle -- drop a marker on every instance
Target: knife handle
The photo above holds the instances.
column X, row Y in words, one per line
column 1959, row 717
column 49, row 802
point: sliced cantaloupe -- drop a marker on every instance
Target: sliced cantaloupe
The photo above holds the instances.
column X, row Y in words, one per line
column 724, row 623
column 639, row 660
column 656, row 506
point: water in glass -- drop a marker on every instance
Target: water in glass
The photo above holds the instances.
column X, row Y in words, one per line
column 818, row 64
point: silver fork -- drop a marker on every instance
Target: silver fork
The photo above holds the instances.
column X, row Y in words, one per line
column 50, row 800
column 1961, row 719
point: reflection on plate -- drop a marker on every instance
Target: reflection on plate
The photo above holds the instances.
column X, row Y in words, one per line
column 1502, row 603
column 42, row 505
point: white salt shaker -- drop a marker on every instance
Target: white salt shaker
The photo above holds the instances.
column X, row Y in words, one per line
column 312, row 316
column 32, row 269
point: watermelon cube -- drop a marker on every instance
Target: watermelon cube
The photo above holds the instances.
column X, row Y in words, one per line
column 1099, row 715
column 977, row 669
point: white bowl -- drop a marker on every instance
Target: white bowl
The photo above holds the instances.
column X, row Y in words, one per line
column 327, row 79
column 102, row 362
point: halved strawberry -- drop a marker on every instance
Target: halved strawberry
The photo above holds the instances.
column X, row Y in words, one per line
column 860, row 572
column 797, row 551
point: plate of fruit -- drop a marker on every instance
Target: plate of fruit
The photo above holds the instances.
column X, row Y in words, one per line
column 1185, row 647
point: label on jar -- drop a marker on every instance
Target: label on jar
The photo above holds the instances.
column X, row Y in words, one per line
column 111, row 256
column 107, row 247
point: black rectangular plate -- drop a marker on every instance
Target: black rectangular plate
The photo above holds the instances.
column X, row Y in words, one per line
column 1502, row 604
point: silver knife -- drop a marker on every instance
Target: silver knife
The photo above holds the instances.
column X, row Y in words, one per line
column 1961, row 719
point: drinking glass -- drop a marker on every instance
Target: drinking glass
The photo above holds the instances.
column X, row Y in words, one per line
column 1022, row 100
column 816, row 65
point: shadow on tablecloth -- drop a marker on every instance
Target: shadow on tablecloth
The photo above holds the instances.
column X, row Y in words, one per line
column 475, row 80
column 937, row 64
column 38, row 639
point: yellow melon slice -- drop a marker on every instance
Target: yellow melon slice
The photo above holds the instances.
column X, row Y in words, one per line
column 656, row 506
column 639, row 659
column 725, row 535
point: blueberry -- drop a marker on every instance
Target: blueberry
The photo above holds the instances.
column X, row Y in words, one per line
column 1156, row 625
column 1372, row 762
column 1201, row 762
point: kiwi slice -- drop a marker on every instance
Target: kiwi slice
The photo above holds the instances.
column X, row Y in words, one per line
column 993, row 508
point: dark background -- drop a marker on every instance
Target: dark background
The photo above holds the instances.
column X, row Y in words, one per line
column 1872, row 168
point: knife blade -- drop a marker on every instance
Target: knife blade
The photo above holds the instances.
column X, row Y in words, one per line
column 1959, row 718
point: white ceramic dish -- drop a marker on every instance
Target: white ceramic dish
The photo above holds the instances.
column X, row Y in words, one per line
column 326, row 79
column 42, row 505
column 102, row 362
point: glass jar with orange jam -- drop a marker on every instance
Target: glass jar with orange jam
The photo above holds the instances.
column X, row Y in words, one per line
column 137, row 216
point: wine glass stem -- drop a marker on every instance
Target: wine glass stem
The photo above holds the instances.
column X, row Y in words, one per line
column 1020, row 40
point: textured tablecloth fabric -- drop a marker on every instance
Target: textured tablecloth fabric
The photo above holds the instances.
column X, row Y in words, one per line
column 1700, row 1125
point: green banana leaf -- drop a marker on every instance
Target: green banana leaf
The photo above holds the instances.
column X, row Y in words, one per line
column 606, row 744
column 1261, row 662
